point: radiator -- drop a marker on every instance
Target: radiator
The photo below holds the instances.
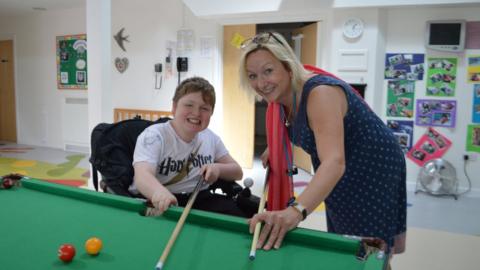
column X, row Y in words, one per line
column 76, row 137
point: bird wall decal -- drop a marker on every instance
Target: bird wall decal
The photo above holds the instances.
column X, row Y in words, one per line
column 120, row 38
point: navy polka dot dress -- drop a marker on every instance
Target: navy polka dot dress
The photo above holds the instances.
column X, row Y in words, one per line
column 370, row 198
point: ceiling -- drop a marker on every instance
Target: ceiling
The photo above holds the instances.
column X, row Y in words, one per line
column 206, row 8
column 25, row 7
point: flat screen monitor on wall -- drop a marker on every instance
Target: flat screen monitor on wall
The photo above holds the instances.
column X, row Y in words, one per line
column 446, row 35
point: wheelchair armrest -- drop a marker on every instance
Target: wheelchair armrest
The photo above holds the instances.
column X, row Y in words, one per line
column 229, row 188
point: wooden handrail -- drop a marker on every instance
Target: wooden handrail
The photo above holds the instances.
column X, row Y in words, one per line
column 120, row 114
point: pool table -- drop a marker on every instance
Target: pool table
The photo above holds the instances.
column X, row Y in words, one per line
column 37, row 217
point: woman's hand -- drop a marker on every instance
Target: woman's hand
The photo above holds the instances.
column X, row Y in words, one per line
column 276, row 225
column 161, row 200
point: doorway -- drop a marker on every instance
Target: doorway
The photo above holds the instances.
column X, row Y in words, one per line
column 8, row 122
column 301, row 36
column 244, row 120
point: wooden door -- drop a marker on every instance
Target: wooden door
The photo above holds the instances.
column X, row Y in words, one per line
column 8, row 123
column 308, row 56
column 238, row 109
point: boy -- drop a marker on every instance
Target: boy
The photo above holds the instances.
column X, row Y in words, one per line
column 170, row 158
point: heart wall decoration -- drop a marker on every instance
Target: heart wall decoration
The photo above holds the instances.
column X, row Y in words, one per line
column 121, row 64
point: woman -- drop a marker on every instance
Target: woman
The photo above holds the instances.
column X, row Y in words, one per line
column 359, row 166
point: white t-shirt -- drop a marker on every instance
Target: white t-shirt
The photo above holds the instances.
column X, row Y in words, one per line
column 160, row 145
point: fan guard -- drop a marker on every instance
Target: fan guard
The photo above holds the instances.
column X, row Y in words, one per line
column 438, row 177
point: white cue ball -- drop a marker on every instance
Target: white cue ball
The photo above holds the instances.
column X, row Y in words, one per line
column 248, row 182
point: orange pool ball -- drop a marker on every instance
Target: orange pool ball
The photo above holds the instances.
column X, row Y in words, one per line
column 93, row 246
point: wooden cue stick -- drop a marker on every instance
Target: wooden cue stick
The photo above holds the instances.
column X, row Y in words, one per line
column 179, row 226
column 261, row 206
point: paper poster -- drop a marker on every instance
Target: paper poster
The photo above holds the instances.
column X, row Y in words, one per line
column 441, row 77
column 185, row 40
column 476, row 104
column 473, row 69
column 207, row 44
column 71, row 61
column 237, row 40
column 473, row 138
column 432, row 112
column 405, row 66
column 430, row 146
column 403, row 131
column 400, row 98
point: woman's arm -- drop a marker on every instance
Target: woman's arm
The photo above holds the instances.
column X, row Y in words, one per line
column 326, row 108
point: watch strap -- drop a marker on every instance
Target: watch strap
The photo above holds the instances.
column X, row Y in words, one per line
column 300, row 208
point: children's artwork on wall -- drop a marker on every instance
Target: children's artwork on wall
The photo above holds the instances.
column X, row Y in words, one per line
column 430, row 146
column 72, row 61
column 441, row 77
column 400, row 98
column 403, row 130
column 476, row 104
column 432, row 112
column 473, row 138
column 473, row 69
column 405, row 66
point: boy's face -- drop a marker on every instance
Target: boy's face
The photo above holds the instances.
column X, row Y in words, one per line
column 192, row 113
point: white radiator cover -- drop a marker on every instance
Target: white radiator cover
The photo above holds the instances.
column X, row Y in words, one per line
column 76, row 137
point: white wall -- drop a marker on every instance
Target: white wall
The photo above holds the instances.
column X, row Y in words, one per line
column 39, row 102
column 149, row 27
column 371, row 42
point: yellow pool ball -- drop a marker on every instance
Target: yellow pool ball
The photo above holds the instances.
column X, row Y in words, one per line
column 93, row 246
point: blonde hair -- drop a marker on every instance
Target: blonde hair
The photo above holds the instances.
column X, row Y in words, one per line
column 277, row 45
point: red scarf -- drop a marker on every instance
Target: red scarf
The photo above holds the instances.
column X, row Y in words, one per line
column 280, row 184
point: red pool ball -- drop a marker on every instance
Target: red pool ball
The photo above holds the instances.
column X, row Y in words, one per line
column 7, row 183
column 66, row 252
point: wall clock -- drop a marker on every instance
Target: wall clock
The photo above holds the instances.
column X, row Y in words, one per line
column 353, row 28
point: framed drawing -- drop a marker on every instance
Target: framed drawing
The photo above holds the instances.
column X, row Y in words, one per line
column 72, row 61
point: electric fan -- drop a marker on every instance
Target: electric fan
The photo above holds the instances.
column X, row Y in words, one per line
column 438, row 177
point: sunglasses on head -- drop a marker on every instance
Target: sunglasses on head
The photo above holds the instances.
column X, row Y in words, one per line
column 260, row 39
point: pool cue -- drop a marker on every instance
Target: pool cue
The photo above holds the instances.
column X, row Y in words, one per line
column 179, row 226
column 258, row 226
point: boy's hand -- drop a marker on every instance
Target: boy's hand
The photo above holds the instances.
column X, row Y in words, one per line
column 210, row 173
column 161, row 200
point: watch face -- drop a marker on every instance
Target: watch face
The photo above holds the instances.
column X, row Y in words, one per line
column 353, row 28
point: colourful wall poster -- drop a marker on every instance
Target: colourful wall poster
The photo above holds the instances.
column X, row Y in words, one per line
column 403, row 131
column 476, row 104
column 72, row 62
column 405, row 66
column 441, row 77
column 430, row 146
column 432, row 112
column 400, row 98
column 473, row 138
column 473, row 69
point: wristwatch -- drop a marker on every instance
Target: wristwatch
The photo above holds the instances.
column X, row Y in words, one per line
column 300, row 208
